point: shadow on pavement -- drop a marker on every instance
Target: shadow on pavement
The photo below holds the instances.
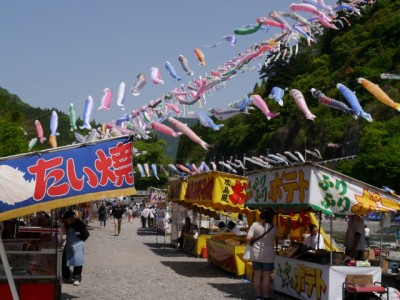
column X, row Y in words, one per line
column 166, row 250
column 236, row 291
column 193, row 269
column 66, row 296
column 245, row 290
column 147, row 231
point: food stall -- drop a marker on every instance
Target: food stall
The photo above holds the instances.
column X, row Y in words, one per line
column 34, row 258
column 311, row 187
column 192, row 243
column 215, row 193
column 43, row 181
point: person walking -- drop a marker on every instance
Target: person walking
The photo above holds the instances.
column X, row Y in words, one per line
column 134, row 211
column 73, row 253
column 261, row 236
column 144, row 216
column 129, row 211
column 152, row 217
column 102, row 212
column 117, row 213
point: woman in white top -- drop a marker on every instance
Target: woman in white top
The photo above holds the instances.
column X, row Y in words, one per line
column 262, row 251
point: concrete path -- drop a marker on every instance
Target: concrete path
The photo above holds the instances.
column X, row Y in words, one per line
column 137, row 265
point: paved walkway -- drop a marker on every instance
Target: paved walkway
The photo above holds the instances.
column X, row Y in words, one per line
column 137, row 265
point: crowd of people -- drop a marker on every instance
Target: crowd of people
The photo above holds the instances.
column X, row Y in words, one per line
column 261, row 236
column 117, row 211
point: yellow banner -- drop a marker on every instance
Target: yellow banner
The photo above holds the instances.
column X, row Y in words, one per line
column 221, row 191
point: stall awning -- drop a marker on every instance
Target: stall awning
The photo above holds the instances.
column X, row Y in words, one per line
column 65, row 176
column 311, row 187
column 218, row 191
column 177, row 190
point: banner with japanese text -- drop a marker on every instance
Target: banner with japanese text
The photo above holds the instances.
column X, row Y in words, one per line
column 157, row 196
column 307, row 280
column 65, row 176
column 344, row 195
column 285, row 187
column 222, row 191
column 313, row 187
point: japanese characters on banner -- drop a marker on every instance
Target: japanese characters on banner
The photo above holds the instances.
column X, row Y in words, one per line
column 312, row 186
column 67, row 176
column 217, row 190
column 157, row 196
column 306, row 280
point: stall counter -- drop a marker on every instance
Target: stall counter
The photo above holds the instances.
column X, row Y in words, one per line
column 305, row 280
column 194, row 245
column 226, row 256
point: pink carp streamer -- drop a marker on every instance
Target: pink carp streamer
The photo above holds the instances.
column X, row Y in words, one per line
column 164, row 129
column 39, row 131
column 188, row 132
column 260, row 103
column 301, row 104
column 106, row 99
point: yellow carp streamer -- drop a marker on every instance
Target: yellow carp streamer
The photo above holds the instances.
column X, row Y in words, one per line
column 378, row 93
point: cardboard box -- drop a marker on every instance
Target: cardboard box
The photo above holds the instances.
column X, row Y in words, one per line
column 359, row 279
column 369, row 254
column 394, row 254
column 385, row 266
column 375, row 262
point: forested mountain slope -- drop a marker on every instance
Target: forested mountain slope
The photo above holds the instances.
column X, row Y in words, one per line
column 366, row 48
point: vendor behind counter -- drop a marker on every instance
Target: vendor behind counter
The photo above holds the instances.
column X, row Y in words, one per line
column 188, row 227
column 314, row 241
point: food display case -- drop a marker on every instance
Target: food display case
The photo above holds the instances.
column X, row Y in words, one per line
column 35, row 265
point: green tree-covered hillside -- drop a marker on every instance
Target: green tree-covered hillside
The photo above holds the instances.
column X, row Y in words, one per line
column 367, row 48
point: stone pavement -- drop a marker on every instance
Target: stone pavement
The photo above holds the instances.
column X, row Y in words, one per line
column 138, row 265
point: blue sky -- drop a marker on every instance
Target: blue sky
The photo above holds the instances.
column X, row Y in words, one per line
column 57, row 52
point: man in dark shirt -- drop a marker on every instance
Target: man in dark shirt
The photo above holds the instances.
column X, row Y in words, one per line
column 117, row 213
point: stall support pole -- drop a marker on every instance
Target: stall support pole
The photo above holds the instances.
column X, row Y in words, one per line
column 277, row 230
column 381, row 244
column 330, row 238
column 7, row 269
column 200, row 223
column 177, row 225
column 319, row 228
column 155, row 219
